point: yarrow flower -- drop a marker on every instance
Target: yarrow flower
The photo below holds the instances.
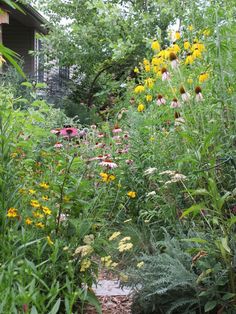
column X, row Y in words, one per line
column 85, row 265
column 140, row 264
column 124, row 245
column 150, row 171
column 114, row 235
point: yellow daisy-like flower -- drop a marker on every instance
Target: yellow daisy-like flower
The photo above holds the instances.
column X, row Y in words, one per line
column 45, row 197
column 190, row 28
column 114, row 235
column 46, row 210
column 149, row 82
column 12, row 212
column 203, row 77
column 189, row 59
column 28, row 221
column 139, row 89
column 141, row 107
column 132, row 194
column 136, row 70
column 147, row 68
column 177, row 35
column 155, row 45
column 35, row 203
column 148, row 97
column 206, row 32
column 39, row 225
column 107, row 177
column 186, row 45
column 32, row 191
column 37, row 214
column 145, row 61
column 44, row 185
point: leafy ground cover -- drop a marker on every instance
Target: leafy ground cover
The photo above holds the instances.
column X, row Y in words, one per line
column 149, row 193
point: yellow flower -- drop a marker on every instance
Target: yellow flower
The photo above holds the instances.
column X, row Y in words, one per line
column 34, row 203
column 49, row 240
column 157, row 61
column 203, row 77
column 189, row 59
column 32, row 191
column 149, row 82
column 37, row 214
column 177, row 35
column 13, row 155
column 136, row 70
column 132, row 194
column 190, row 28
column 106, row 260
column 85, row 265
column 125, row 246
column 139, row 89
column 84, row 250
column 140, row 264
column 186, row 45
column 12, row 212
column 206, row 32
column 46, row 210
column 28, row 221
column 152, row 139
column 66, row 198
column 147, row 68
column 39, row 225
column 197, row 53
column 107, row 177
column 123, row 277
column 140, row 107
column 146, row 62
column 44, row 185
column 114, row 235
column 148, row 97
column 45, row 198
column 156, row 45
column 22, row 191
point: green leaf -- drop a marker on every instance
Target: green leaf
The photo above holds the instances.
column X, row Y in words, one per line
column 27, row 84
column 33, row 310
column 197, row 240
column 225, row 245
column 200, row 192
column 228, row 296
column 195, row 209
column 231, row 221
column 56, row 307
column 93, row 300
column 210, row 305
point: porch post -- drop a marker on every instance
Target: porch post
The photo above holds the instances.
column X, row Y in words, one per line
column 4, row 19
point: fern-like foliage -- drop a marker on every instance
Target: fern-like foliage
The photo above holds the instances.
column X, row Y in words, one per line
column 166, row 282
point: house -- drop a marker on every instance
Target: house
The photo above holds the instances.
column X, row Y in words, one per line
column 19, row 33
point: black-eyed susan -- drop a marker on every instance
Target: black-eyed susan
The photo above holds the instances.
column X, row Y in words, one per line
column 12, row 212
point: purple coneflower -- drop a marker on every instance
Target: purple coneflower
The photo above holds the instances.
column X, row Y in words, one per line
column 174, row 61
column 116, row 129
column 108, row 163
column 175, row 103
column 198, row 92
column 165, row 74
column 58, row 145
column 69, row 132
column 185, row 96
column 160, row 100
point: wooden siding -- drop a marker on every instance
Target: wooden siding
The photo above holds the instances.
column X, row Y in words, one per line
column 20, row 39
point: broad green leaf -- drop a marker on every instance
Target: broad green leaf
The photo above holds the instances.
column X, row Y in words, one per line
column 56, row 307
column 210, row 305
column 195, row 209
column 197, row 240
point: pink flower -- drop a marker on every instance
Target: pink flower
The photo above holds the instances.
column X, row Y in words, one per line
column 165, row 74
column 160, row 100
column 69, row 132
column 185, row 95
column 199, row 97
column 116, row 129
column 55, row 131
column 100, row 145
column 100, row 135
column 116, row 138
column 58, row 145
column 108, row 163
column 129, row 161
column 175, row 103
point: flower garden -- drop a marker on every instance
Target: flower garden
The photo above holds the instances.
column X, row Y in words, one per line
column 148, row 193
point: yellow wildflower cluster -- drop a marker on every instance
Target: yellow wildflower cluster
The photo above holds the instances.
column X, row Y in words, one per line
column 85, row 265
column 106, row 177
column 44, row 185
column 125, row 245
column 84, row 250
column 107, row 261
column 114, row 235
column 140, row 264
